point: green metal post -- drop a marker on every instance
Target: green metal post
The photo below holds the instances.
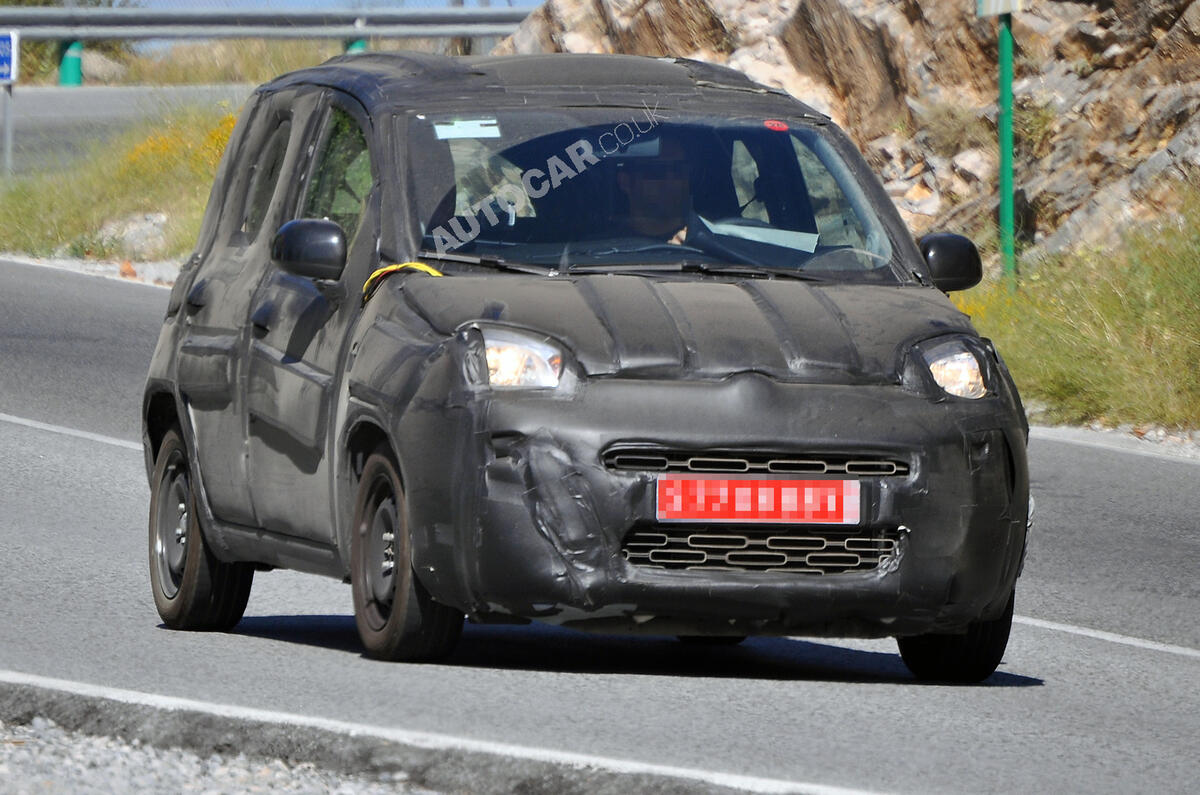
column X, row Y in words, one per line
column 356, row 46
column 1007, row 245
column 70, row 68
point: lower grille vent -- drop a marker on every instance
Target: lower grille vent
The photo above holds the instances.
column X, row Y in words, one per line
column 655, row 459
column 740, row 547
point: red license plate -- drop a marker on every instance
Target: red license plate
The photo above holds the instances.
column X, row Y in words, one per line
column 724, row 499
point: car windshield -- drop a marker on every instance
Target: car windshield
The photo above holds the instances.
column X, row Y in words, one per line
column 621, row 188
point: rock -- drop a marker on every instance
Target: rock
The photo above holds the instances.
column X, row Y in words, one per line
column 975, row 165
column 1110, row 87
column 920, row 200
column 140, row 236
column 99, row 68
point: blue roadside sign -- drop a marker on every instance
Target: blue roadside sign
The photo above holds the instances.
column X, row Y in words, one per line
column 10, row 53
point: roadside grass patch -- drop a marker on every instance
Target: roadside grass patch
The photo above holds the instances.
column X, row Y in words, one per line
column 228, row 61
column 1107, row 337
column 164, row 167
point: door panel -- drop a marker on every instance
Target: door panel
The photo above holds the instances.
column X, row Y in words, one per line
column 300, row 327
column 212, row 356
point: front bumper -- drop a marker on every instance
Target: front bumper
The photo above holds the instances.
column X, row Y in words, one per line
column 530, row 522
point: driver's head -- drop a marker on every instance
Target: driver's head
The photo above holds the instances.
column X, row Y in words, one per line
column 658, row 188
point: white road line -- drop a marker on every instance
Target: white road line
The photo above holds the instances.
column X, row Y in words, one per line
column 426, row 740
column 59, row 429
column 1115, row 444
column 1111, row 637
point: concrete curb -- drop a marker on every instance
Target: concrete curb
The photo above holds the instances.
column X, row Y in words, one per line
column 160, row 273
column 343, row 748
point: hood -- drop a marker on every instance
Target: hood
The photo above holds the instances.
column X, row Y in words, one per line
column 637, row 326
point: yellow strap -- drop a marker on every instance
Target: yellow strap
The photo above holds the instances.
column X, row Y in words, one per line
column 375, row 278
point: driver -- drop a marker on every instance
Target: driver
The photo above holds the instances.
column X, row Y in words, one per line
column 659, row 191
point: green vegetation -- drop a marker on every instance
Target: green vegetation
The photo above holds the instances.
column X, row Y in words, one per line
column 1107, row 337
column 1033, row 127
column 165, row 167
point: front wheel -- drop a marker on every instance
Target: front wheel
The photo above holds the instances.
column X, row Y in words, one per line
column 192, row 588
column 967, row 658
column 397, row 619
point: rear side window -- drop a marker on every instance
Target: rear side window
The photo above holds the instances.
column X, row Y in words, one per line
column 342, row 177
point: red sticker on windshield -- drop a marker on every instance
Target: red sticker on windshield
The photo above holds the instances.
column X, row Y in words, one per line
column 775, row 124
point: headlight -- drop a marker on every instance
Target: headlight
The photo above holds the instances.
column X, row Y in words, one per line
column 516, row 360
column 956, row 369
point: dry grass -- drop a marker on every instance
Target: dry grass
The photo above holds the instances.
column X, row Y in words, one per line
column 951, row 128
column 1107, row 337
column 164, row 167
column 229, row 61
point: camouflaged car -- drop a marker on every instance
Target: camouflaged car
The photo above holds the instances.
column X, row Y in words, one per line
column 622, row 344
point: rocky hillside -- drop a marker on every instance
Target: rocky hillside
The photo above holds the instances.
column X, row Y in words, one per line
column 1108, row 94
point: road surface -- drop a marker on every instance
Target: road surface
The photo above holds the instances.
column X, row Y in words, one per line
column 1099, row 690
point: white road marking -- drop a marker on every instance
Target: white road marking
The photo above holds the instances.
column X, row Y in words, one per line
column 1111, row 637
column 427, row 740
column 64, row 431
column 1116, row 444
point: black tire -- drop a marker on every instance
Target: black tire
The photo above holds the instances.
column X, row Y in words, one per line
column 192, row 589
column 397, row 618
column 967, row 658
column 711, row 640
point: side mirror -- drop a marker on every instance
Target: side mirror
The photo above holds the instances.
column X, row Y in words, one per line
column 311, row 247
column 953, row 261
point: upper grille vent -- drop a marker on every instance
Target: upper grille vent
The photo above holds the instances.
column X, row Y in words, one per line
column 654, row 459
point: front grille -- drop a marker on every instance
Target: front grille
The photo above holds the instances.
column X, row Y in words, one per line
column 655, row 459
column 810, row 549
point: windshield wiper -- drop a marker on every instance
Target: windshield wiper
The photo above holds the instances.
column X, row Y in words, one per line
column 694, row 266
column 476, row 259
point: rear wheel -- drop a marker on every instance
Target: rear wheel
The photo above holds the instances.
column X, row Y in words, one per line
column 192, row 589
column 970, row 657
column 397, row 618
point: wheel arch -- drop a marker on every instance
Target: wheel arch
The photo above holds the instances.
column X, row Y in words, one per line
column 160, row 414
column 362, row 437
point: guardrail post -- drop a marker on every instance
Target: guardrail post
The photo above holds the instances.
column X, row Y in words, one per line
column 70, row 68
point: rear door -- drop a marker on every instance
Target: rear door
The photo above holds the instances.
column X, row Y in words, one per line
column 299, row 329
column 212, row 355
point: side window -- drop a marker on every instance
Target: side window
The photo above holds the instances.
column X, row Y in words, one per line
column 342, row 177
column 263, row 179
column 837, row 223
column 744, row 171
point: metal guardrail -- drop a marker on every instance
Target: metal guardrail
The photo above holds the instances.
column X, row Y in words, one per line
column 78, row 24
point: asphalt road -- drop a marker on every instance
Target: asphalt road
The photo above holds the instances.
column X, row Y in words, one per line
column 52, row 125
column 1115, row 550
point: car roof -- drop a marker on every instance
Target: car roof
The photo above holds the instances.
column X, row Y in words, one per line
column 399, row 81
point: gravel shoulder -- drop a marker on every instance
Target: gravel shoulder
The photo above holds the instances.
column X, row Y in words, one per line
column 65, row 737
column 42, row 757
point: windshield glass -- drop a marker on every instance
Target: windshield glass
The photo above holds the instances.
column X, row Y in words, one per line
column 597, row 188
